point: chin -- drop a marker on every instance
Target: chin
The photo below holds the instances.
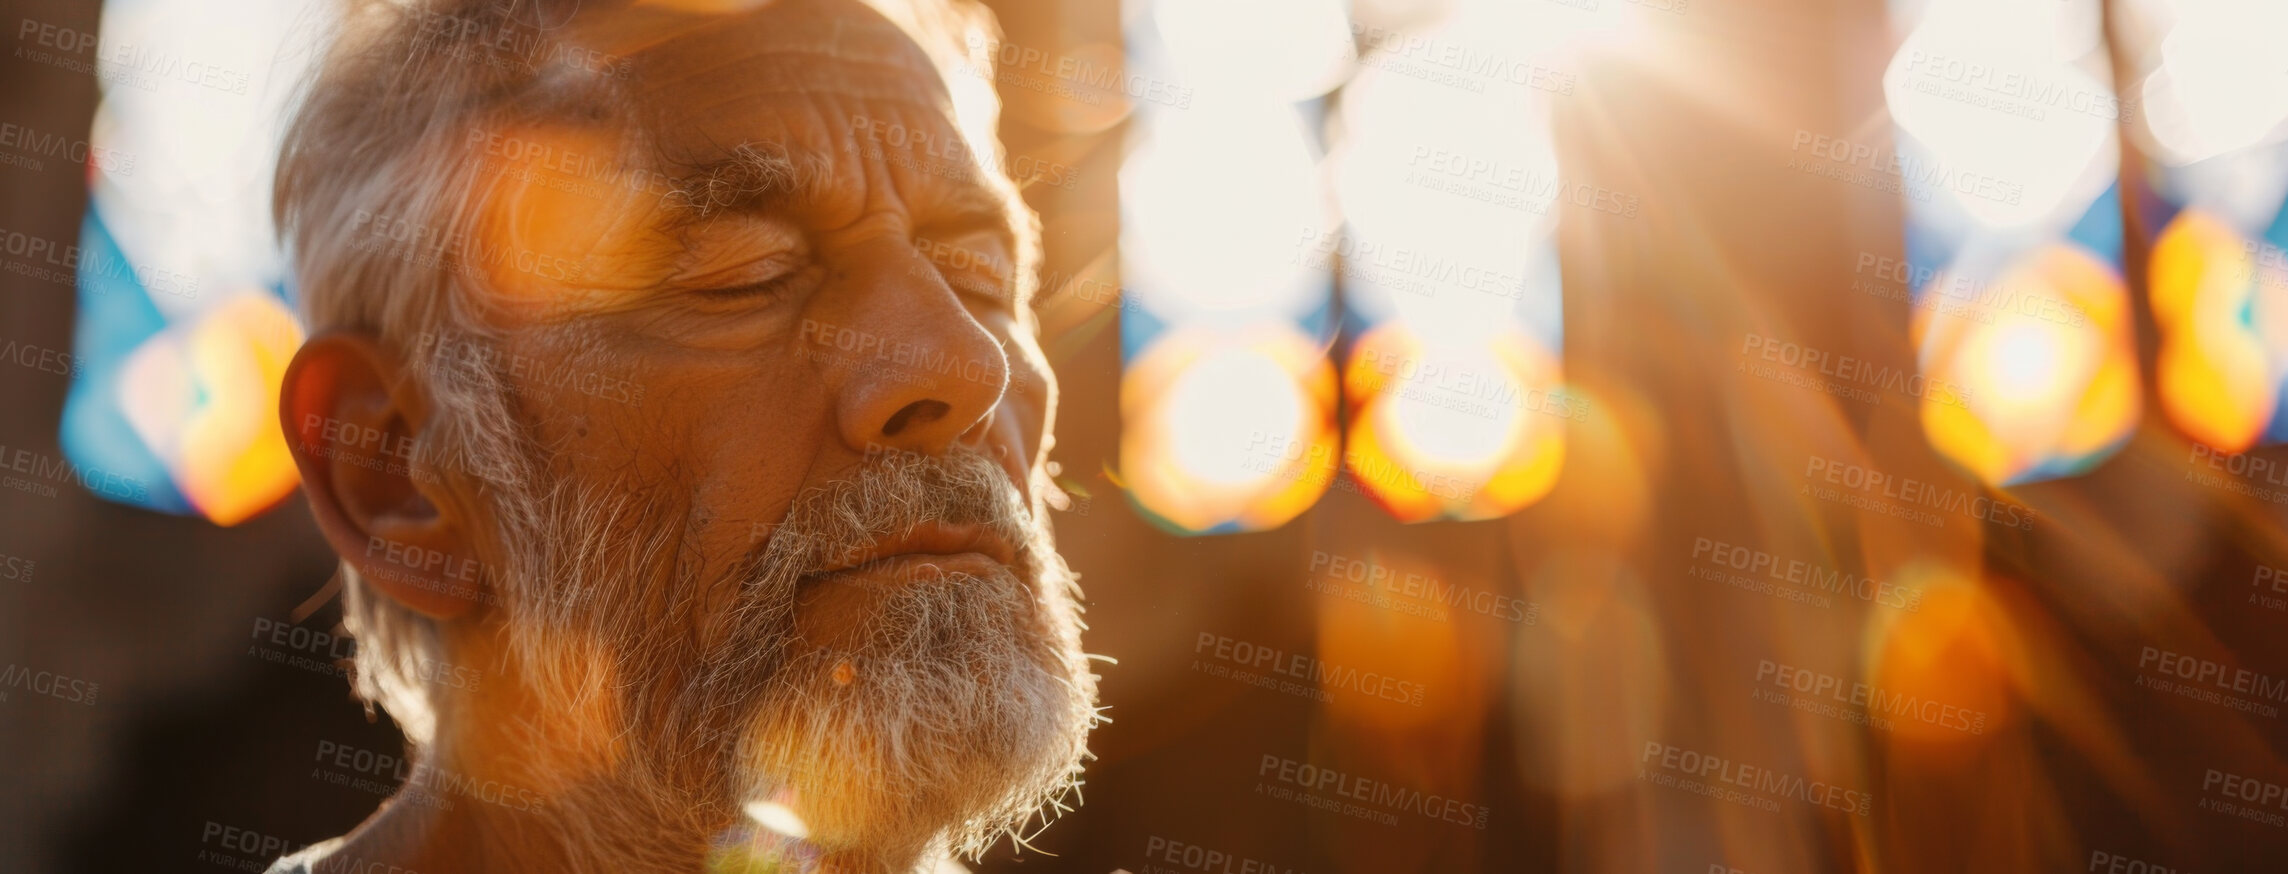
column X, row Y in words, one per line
column 955, row 713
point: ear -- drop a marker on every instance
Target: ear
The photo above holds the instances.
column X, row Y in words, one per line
column 352, row 415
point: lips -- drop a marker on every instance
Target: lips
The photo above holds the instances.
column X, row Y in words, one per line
column 948, row 545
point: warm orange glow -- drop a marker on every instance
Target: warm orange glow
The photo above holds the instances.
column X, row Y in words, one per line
column 568, row 224
column 1472, row 433
column 2047, row 372
column 1942, row 674
column 2217, row 382
column 1228, row 430
column 235, row 462
column 203, row 397
column 1361, row 641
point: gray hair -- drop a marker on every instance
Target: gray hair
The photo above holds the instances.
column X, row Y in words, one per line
column 375, row 195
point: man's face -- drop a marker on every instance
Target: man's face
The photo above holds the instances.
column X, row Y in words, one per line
column 786, row 456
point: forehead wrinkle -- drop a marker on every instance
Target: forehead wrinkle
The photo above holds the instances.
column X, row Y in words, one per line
column 797, row 46
column 809, row 154
column 753, row 152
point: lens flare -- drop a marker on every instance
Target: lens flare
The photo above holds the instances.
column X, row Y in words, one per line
column 1458, row 433
column 2220, row 86
column 2045, row 386
column 1228, row 432
column 184, row 332
column 2213, row 304
column 1943, row 673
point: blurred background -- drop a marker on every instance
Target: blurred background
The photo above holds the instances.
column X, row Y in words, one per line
column 1503, row 435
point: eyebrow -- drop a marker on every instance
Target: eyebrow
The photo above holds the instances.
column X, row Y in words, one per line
column 756, row 177
column 760, row 177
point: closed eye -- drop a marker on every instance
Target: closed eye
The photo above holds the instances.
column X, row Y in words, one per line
column 769, row 288
column 746, row 259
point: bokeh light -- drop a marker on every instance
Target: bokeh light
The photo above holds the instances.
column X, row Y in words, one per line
column 2220, row 314
column 1228, row 432
column 185, row 330
column 2047, row 388
column 1451, row 194
column 2216, row 175
column 2021, row 316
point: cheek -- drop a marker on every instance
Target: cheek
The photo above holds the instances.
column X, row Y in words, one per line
column 1027, row 413
column 751, row 458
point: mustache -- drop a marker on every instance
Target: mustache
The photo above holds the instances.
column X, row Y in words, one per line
column 887, row 496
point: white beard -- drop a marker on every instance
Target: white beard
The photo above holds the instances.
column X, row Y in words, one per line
column 957, row 714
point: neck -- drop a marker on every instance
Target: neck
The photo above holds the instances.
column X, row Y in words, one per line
column 464, row 812
column 426, row 830
column 517, row 780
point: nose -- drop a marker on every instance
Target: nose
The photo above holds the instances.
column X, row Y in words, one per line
column 925, row 373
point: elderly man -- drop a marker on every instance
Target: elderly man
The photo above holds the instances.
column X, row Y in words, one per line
column 689, row 496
